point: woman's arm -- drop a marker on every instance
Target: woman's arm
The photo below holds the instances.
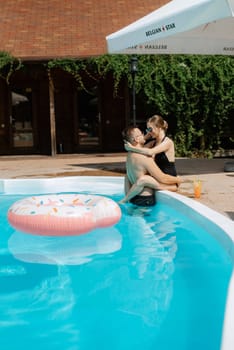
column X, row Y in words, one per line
column 162, row 147
column 142, row 150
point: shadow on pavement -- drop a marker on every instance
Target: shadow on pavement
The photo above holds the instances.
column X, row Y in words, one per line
column 118, row 167
column 230, row 214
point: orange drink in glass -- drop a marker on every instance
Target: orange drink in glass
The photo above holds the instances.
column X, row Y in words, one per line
column 197, row 188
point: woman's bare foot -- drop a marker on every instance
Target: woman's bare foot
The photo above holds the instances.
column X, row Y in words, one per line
column 180, row 180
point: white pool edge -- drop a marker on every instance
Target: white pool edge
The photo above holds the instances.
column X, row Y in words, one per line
column 222, row 226
column 224, row 232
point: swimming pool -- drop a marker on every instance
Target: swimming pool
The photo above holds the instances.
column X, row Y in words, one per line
column 156, row 280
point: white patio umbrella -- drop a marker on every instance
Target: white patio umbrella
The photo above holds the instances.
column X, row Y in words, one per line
column 180, row 27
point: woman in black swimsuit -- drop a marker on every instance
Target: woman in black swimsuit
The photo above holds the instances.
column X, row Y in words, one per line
column 158, row 145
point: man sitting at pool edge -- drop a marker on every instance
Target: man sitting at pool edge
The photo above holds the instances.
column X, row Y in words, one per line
column 143, row 175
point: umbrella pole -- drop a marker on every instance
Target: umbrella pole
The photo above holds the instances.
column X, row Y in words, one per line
column 133, row 71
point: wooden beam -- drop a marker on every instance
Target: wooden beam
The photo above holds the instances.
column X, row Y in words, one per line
column 52, row 118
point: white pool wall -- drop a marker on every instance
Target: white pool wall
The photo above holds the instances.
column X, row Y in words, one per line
column 217, row 224
column 228, row 325
column 63, row 184
column 220, row 226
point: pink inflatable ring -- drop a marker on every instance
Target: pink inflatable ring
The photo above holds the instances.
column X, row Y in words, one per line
column 63, row 214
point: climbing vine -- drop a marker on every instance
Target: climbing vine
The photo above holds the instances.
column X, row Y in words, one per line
column 118, row 65
column 71, row 66
column 194, row 93
column 8, row 65
column 94, row 67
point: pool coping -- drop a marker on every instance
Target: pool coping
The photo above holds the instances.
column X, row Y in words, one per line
column 222, row 226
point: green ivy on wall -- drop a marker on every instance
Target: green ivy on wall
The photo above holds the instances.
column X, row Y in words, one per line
column 194, row 93
column 95, row 68
column 8, row 65
column 198, row 92
column 71, row 66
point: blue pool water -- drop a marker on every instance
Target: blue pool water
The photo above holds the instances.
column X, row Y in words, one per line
column 155, row 280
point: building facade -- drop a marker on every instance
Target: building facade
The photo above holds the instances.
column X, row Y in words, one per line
column 37, row 117
column 71, row 120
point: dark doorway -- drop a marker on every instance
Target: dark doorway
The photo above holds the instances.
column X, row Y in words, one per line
column 22, row 119
column 89, row 120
